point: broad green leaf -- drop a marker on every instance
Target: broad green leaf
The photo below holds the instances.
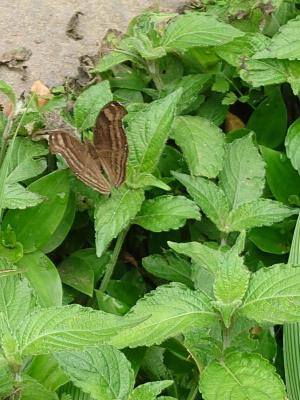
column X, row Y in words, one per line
column 166, row 212
column 45, row 369
column 17, row 197
column 24, row 162
column 284, row 44
column 43, row 277
column 193, row 30
column 206, row 256
column 148, row 131
column 283, row 180
column 213, row 109
column 35, row 226
column 262, row 212
column 110, row 60
column 7, row 379
column 102, row 371
column 114, row 214
column 67, row 328
column 275, row 239
column 273, row 295
column 17, row 299
column 89, row 103
column 209, row 197
column 82, row 269
column 271, row 72
column 192, row 85
column 169, row 266
column 31, row 389
column 241, row 376
column 230, row 285
column 110, row 304
column 145, row 181
column 202, row 144
column 269, row 119
column 149, row 390
column 292, row 144
column 64, row 227
column 242, row 176
column 8, row 91
column 141, row 44
column 171, row 309
column 238, row 49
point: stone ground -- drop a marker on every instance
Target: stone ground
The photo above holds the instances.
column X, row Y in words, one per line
column 40, row 26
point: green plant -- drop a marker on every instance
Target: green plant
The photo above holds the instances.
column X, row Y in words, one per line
column 176, row 285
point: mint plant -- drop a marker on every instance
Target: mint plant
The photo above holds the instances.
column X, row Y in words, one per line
column 176, row 285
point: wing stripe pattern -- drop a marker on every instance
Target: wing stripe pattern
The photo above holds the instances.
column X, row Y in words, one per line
column 107, row 154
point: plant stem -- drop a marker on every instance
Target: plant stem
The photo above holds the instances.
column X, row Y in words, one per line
column 194, row 391
column 5, row 137
column 114, row 259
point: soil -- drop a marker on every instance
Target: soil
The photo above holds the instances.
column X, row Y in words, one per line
column 46, row 39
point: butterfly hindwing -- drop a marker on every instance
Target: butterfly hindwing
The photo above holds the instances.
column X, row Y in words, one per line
column 111, row 143
column 80, row 159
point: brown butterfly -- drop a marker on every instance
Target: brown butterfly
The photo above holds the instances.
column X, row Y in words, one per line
column 101, row 164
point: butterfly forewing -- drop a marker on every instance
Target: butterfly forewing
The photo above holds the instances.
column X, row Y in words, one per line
column 111, row 143
column 103, row 163
column 80, row 159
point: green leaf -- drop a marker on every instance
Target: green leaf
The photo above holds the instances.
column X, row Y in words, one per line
column 43, row 277
column 67, row 328
column 271, row 72
column 202, row 144
column 194, row 30
column 102, row 371
column 169, row 266
column 292, row 143
column 171, row 309
column 89, row 103
column 243, row 47
column 192, row 85
column 17, row 197
column 45, row 369
column 35, row 226
column 213, row 109
column 110, row 60
column 242, row 177
column 148, row 131
column 283, row 180
column 284, row 44
column 166, row 212
column 145, row 181
column 230, row 285
column 206, row 256
column 9, row 92
column 209, row 197
column 114, row 214
column 269, row 120
column 31, row 389
column 17, row 299
column 149, row 390
column 275, row 239
column 246, row 376
column 262, row 212
column 7, row 380
column 82, row 269
column 273, row 295
column 24, row 163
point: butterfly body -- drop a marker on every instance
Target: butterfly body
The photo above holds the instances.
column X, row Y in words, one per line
column 101, row 164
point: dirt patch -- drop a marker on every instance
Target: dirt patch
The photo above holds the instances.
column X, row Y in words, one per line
column 58, row 32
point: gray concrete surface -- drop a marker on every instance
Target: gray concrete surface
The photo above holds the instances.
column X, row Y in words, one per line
column 40, row 25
